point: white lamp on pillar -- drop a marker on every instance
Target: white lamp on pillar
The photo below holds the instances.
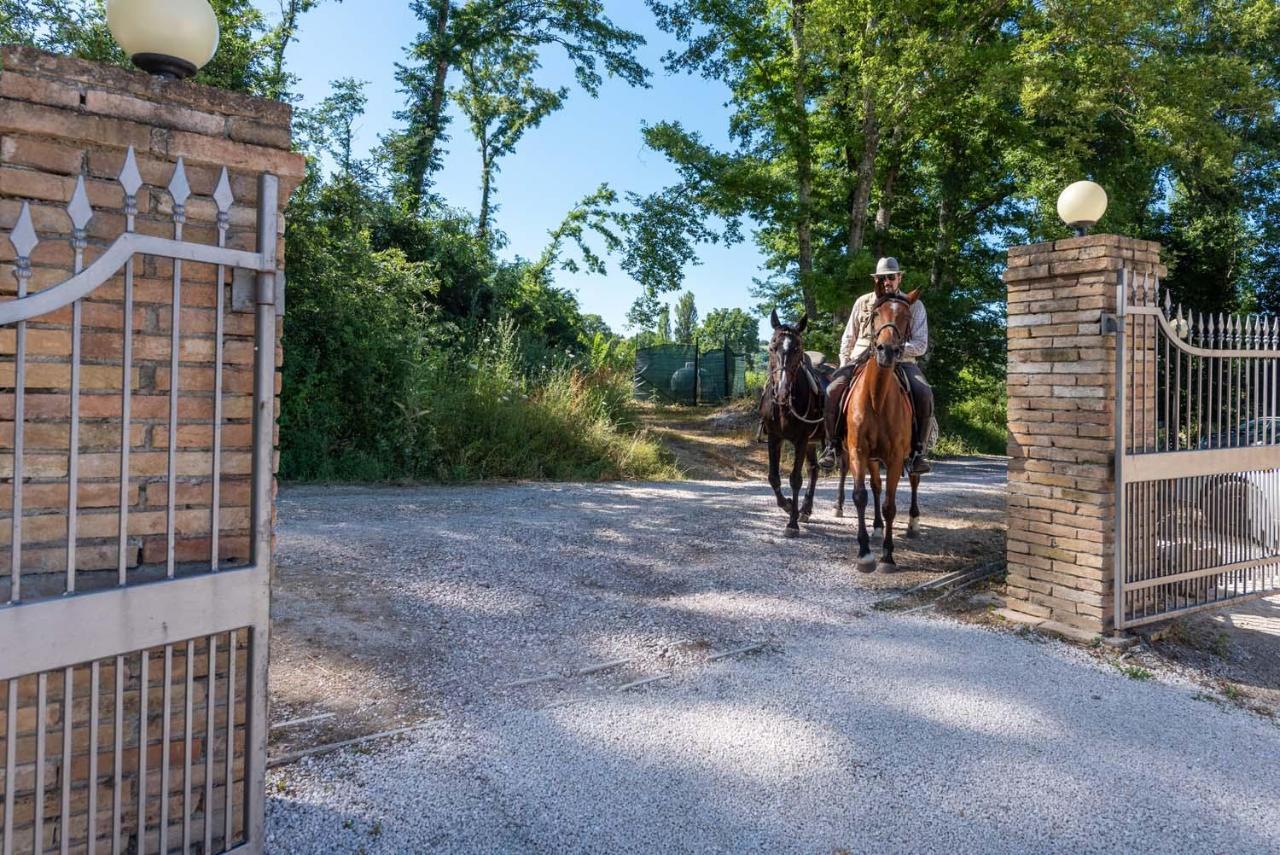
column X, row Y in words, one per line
column 1081, row 205
column 168, row 38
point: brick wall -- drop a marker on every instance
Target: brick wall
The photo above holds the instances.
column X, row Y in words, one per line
column 1061, row 385
column 62, row 118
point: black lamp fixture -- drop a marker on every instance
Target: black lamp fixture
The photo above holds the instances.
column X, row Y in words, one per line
column 168, row 38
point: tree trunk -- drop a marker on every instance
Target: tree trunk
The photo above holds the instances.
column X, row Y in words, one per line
column 288, row 26
column 884, row 209
column 942, row 240
column 803, row 155
column 429, row 127
column 486, row 175
column 865, row 175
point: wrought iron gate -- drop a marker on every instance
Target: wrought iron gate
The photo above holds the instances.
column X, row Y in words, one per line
column 1197, row 456
column 133, row 697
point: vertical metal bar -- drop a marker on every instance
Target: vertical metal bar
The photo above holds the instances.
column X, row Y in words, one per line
column 125, row 418
column 186, row 752
column 23, row 274
column 64, row 821
column 263, row 453
column 1167, row 392
column 117, row 762
column 216, row 502
column 210, row 699
column 231, row 738
column 42, row 709
column 1121, row 510
column 143, row 745
column 10, row 763
column 166, row 732
column 174, row 346
column 73, row 453
column 92, row 810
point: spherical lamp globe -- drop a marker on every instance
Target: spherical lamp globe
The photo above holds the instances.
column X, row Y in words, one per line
column 1081, row 205
column 169, row 38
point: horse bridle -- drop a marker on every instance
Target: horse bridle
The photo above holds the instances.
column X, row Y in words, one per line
column 903, row 338
column 791, row 407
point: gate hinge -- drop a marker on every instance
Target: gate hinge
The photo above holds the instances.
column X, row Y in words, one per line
column 244, row 287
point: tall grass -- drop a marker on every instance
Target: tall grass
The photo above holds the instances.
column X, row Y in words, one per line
column 486, row 412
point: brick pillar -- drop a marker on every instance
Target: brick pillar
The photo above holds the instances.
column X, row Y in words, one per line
column 1061, row 385
column 61, row 118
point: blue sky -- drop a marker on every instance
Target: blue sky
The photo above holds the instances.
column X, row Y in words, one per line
column 591, row 140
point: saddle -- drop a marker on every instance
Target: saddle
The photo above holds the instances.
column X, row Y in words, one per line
column 901, row 376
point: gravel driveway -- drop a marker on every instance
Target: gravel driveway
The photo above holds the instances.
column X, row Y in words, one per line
column 481, row 615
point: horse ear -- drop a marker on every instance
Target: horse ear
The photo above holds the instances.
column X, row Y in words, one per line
column 804, row 322
column 914, row 295
column 773, row 318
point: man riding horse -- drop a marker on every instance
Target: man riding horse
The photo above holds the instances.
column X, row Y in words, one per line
column 856, row 348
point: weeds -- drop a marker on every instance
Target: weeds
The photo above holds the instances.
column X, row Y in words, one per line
column 1135, row 672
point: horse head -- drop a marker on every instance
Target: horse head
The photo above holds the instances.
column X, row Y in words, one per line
column 786, row 351
column 891, row 320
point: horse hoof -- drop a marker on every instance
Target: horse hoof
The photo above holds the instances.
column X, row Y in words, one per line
column 790, row 532
column 911, row 534
column 912, row 529
column 840, row 512
column 887, row 567
column 804, row 518
column 867, row 564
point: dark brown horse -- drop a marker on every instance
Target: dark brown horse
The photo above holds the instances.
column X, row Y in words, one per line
column 791, row 410
column 878, row 426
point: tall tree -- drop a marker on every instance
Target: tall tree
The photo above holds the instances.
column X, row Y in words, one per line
column 685, row 327
column 580, row 28
column 501, row 102
column 734, row 327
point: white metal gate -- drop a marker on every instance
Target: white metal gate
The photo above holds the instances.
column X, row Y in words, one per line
column 133, row 701
column 1197, row 456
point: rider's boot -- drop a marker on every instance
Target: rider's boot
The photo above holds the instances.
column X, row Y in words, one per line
column 918, row 464
column 827, row 459
column 760, row 437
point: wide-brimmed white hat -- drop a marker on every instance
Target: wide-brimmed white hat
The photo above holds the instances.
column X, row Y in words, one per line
column 887, row 266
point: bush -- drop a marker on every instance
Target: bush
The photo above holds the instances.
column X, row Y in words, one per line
column 977, row 423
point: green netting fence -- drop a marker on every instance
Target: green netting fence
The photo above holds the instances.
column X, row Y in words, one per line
column 667, row 372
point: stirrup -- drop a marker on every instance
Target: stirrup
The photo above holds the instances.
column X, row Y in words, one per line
column 918, row 464
column 827, row 459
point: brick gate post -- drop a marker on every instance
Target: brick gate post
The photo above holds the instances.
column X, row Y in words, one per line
column 1061, row 387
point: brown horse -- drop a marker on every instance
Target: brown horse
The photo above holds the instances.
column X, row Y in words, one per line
column 878, row 426
column 791, row 410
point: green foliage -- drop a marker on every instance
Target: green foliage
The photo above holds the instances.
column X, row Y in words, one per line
column 474, row 35
column 501, row 102
column 973, row 420
column 686, row 319
column 733, row 327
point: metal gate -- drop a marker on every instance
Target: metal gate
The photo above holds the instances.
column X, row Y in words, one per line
column 1197, row 456
column 133, row 697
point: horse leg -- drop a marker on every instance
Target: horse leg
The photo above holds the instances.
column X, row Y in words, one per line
column 775, row 479
column 797, row 479
column 877, row 527
column 912, row 524
column 844, row 471
column 893, row 471
column 866, row 561
column 806, row 510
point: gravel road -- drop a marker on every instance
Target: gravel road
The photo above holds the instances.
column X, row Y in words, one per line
column 843, row 728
